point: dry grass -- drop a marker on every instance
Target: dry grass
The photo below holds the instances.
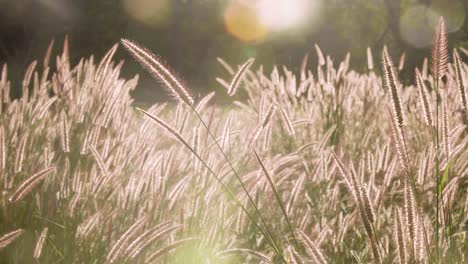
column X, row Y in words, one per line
column 86, row 179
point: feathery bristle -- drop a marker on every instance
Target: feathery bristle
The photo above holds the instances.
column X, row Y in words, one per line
column 29, row 184
column 64, row 133
column 2, row 148
column 366, row 214
column 196, row 139
column 460, row 81
column 203, row 102
column 8, row 238
column 263, row 123
column 40, row 243
column 155, row 67
column 226, row 65
column 343, row 173
column 102, row 166
column 424, row 98
column 269, row 115
column 48, row 53
column 321, row 59
column 410, row 213
column 401, row 63
column 367, row 205
column 131, row 246
column 166, row 127
column 312, row 250
column 226, row 132
column 391, row 82
column 287, row 122
column 370, row 60
column 234, row 85
column 400, row 146
column 117, row 249
column 305, row 60
column 294, row 257
column 420, row 250
column 144, row 243
column 223, row 83
column 399, row 237
column 20, row 152
column 439, row 51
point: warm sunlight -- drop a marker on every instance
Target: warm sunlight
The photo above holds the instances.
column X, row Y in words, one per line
column 253, row 21
column 283, row 14
column 233, row 131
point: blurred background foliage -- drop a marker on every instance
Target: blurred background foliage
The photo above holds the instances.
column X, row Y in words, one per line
column 191, row 34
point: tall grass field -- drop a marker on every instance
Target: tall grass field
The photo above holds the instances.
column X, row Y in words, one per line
column 319, row 165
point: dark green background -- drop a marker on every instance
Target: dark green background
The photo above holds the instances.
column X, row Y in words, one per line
column 195, row 35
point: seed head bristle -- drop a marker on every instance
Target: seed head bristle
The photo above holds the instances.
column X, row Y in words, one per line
column 410, row 213
column 269, row 115
column 102, row 166
column 370, row 60
column 204, row 102
column 401, row 63
column 152, row 237
column 117, row 249
column 265, row 121
column 226, row 132
column 321, row 59
column 166, row 127
column 460, row 81
column 40, row 243
column 400, row 146
column 29, row 184
column 424, row 98
column 156, row 68
column 131, row 246
column 305, row 60
column 399, row 237
column 420, row 250
column 439, row 51
column 294, row 257
column 234, row 85
column 287, row 122
column 311, row 248
column 2, row 148
column 20, row 152
column 367, row 205
column 8, row 238
column 392, row 84
column 225, row 65
column 64, row 133
column 343, row 172
column 48, row 53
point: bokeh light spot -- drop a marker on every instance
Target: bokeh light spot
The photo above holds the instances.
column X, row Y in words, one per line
column 453, row 12
column 242, row 22
column 418, row 23
column 153, row 13
column 282, row 14
column 417, row 26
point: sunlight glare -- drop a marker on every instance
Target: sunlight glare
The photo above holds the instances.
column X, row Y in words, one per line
column 279, row 15
column 241, row 21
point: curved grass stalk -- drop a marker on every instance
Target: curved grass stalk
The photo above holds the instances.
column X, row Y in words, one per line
column 278, row 198
column 224, row 188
